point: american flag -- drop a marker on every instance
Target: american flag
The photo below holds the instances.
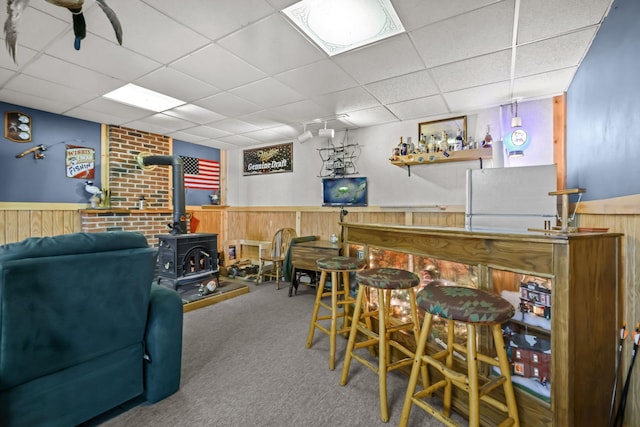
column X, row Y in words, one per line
column 201, row 174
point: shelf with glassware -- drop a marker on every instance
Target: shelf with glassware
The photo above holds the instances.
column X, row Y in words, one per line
column 440, row 157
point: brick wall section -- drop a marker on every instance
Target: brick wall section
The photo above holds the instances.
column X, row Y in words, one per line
column 149, row 224
column 127, row 182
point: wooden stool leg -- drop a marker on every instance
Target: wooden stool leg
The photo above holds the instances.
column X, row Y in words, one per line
column 415, row 370
column 446, row 406
column 383, row 353
column 424, row 372
column 346, row 295
column 472, row 367
column 316, row 308
column 352, row 335
column 505, row 370
column 334, row 320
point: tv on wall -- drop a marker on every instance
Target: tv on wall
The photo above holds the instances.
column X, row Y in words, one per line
column 345, row 191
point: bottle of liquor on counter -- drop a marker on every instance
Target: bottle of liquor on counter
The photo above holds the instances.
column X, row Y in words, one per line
column 488, row 139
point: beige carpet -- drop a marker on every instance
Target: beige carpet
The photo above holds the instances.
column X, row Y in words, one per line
column 245, row 363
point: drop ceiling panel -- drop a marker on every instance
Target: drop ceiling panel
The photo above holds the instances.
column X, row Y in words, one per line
column 48, row 90
column 194, row 114
column 104, row 57
column 213, row 19
column 234, row 126
column 485, row 69
column 423, row 107
column 546, row 84
column 485, row 30
column 372, row 117
column 167, row 122
column 318, row 78
column 418, row 13
column 388, row 58
column 95, row 116
column 218, row 67
column 347, row 100
column 268, row 92
column 553, row 54
column 264, row 119
column 164, row 47
column 478, row 97
column 228, row 104
column 177, row 84
column 268, row 45
column 409, row 86
column 546, row 18
column 67, row 74
column 206, row 132
column 116, row 109
column 34, row 101
column 239, row 140
column 303, row 111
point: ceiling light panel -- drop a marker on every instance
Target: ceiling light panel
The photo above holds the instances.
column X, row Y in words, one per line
column 143, row 98
column 337, row 26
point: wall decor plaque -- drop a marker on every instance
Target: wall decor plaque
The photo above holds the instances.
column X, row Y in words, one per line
column 17, row 126
column 265, row 160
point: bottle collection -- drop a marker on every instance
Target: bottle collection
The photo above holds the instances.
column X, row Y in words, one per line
column 442, row 142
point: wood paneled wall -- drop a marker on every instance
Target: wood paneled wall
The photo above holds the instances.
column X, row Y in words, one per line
column 18, row 224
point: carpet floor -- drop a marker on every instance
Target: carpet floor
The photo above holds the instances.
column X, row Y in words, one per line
column 244, row 363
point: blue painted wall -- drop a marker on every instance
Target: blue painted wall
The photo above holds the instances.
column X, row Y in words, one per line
column 30, row 180
column 193, row 196
column 603, row 110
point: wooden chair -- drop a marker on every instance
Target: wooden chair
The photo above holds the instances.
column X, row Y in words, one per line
column 277, row 252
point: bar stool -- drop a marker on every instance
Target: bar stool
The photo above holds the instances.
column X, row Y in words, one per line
column 383, row 280
column 340, row 297
column 473, row 307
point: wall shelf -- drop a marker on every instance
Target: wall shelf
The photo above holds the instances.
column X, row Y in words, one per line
column 440, row 157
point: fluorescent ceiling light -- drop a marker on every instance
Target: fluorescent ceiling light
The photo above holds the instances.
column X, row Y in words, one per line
column 341, row 25
column 143, row 98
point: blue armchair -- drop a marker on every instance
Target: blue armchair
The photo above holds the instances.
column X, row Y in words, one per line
column 82, row 328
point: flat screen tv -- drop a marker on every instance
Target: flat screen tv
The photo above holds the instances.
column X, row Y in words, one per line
column 345, row 191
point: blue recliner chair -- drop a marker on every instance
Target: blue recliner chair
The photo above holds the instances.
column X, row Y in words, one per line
column 82, row 328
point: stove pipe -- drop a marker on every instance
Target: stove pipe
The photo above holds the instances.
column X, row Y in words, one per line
column 179, row 225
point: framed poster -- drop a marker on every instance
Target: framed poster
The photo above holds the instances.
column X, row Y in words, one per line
column 80, row 162
column 265, row 160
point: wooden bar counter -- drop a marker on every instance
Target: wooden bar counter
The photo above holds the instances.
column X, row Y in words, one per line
column 585, row 318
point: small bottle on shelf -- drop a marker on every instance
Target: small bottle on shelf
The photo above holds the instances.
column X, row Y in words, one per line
column 488, row 139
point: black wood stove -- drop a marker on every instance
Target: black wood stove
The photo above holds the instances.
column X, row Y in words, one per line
column 187, row 258
column 183, row 258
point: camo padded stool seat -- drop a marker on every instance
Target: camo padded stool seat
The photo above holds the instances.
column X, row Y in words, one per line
column 473, row 307
column 339, row 267
column 382, row 281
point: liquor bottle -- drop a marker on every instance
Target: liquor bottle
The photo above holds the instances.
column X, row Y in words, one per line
column 487, row 138
column 459, row 141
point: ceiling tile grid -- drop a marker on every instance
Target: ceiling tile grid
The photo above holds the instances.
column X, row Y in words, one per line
column 249, row 77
